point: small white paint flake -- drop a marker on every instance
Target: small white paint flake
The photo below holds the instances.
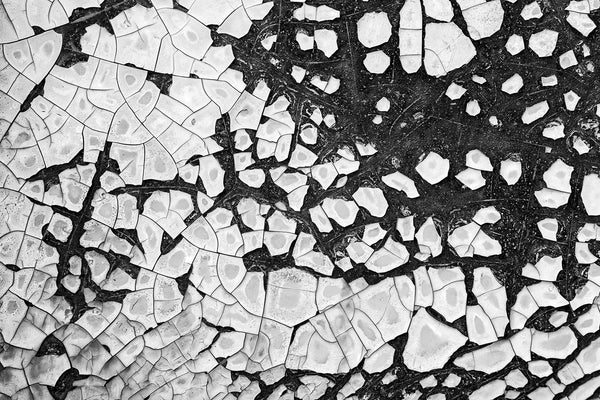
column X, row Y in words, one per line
column 590, row 193
column 545, row 269
column 326, row 40
column 410, row 36
column 473, row 108
column 309, row 134
column 455, row 91
column 535, row 112
column 511, row 171
column 372, row 199
column 268, row 42
column 341, row 211
column 373, row 29
column 446, row 48
column 298, row 73
column 383, row 104
column 439, row 9
column 513, row 84
column 428, row 382
column 543, row 43
column 571, row 100
column 430, row 343
column 305, row 41
column 483, row 18
column 429, row 240
column 550, row 80
column 531, row 11
column 402, row 183
column 515, row 44
column 476, row 159
column 580, row 145
column 452, row 380
column 567, row 59
column 581, row 21
column 376, row 62
column 554, row 130
column 433, row 168
column 478, row 79
column 329, row 120
column 366, row 149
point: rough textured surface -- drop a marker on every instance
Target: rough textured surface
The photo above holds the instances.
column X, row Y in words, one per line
column 263, row 200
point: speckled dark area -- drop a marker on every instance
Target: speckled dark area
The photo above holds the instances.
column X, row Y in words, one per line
column 422, row 119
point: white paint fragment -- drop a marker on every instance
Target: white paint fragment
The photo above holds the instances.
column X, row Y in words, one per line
column 476, row 159
column 511, row 171
column 410, row 36
column 326, row 40
column 429, row 240
column 433, row 168
column 535, row 112
column 479, row 326
column 446, row 48
column 571, row 100
column 515, row 44
column 483, row 18
column 472, row 108
column 581, row 22
column 341, row 211
column 376, row 62
column 405, row 226
column 372, row 199
column 513, row 84
column 580, row 145
column 471, row 178
column 365, row 149
column 430, row 343
column 305, row 41
column 545, row 269
column 373, row 29
column 478, row 79
column 554, row 130
column 298, row 73
column 543, row 42
column 590, row 194
column 383, row 104
column 455, row 92
column 268, row 42
column 490, row 390
column 548, row 228
column 402, row 183
column 567, row 59
column 439, row 9
column 531, row 11
column 550, row 80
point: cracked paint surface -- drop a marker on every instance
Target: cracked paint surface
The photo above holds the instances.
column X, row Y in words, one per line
column 248, row 199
